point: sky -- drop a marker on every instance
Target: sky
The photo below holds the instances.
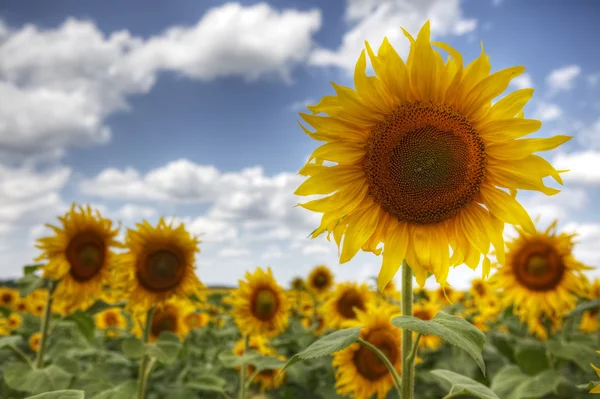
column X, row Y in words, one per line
column 188, row 110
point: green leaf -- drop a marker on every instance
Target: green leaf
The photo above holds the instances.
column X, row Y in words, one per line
column 583, row 307
column 531, row 357
column 589, row 386
column 29, row 283
column 266, row 363
column 12, row 340
column 64, row 394
column 459, row 384
column 165, row 349
column 100, row 305
column 30, row 269
column 538, row 386
column 230, row 360
column 132, row 348
column 125, row 390
column 452, row 329
column 68, row 364
column 85, row 323
column 327, row 345
column 21, row 377
column 507, row 379
column 580, row 354
column 5, row 311
column 207, row 383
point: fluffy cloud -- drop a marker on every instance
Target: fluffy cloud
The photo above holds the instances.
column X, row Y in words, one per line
column 589, row 135
column 522, row 81
column 584, row 167
column 373, row 19
column 586, row 248
column 58, row 85
column 562, row 79
column 548, row 112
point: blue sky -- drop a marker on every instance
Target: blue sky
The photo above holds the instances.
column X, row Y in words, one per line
column 188, row 109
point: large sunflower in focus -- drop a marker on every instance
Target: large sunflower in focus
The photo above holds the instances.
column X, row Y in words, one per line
column 359, row 372
column 260, row 305
column 79, row 255
column 541, row 276
column 159, row 264
column 344, row 302
column 320, row 279
column 422, row 160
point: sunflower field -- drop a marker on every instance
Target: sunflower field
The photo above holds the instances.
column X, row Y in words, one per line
column 418, row 164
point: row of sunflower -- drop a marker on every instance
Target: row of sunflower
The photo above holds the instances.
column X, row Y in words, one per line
column 135, row 316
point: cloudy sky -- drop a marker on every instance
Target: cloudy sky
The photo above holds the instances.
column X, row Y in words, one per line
column 188, row 109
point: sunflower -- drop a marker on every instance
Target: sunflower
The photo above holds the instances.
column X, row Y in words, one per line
column 21, row 306
column 541, row 277
column 34, row 341
column 194, row 318
column 256, row 343
column 167, row 317
column 80, row 255
column 479, row 288
column 269, row 378
column 589, row 321
column 4, row 329
column 359, row 372
column 8, row 297
column 14, row 321
column 159, row 264
column 390, row 291
column 111, row 320
column 298, row 284
column 318, row 324
column 320, row 280
column 344, row 302
column 260, row 305
column 421, row 158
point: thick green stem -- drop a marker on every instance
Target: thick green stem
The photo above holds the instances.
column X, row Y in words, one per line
column 45, row 326
column 146, row 365
column 385, row 361
column 413, row 352
column 243, row 371
column 408, row 370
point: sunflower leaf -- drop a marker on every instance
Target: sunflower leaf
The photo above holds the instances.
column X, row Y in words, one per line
column 165, row 349
column 458, row 383
column 124, row 390
column 29, row 283
column 132, row 348
column 327, row 345
column 21, row 377
column 580, row 354
column 583, row 307
column 207, row 383
column 30, row 269
column 63, row 394
column 452, row 329
column 11, row 340
column 266, row 363
column 85, row 324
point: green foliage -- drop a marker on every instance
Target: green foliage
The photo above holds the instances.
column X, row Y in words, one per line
column 22, row 377
column 63, row 394
column 452, row 329
column 165, row 349
column 29, row 283
column 460, row 384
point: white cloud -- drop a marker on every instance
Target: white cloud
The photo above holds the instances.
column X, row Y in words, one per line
column 272, row 252
column 301, row 105
column 584, row 167
column 135, row 212
column 593, row 79
column 371, row 20
column 546, row 209
column 586, row 247
column 589, row 136
column 523, row 81
column 562, row 79
column 547, row 112
column 233, row 252
column 58, row 85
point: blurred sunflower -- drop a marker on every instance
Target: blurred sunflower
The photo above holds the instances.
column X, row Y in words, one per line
column 266, row 378
column 111, row 320
column 541, row 277
column 194, row 318
column 344, row 301
column 593, row 289
column 298, row 284
column 318, row 324
column 80, row 255
column 4, row 330
column 589, row 321
column 34, row 341
column 479, row 288
column 421, row 157
column 257, row 343
column 167, row 317
column 390, row 291
column 159, row 264
column 320, row 280
column 260, row 305
column 8, row 297
column 21, row 306
column 359, row 372
column 14, row 321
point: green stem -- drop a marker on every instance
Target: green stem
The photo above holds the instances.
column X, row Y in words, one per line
column 45, row 326
column 251, row 378
column 22, row 355
column 385, row 361
column 413, row 352
column 408, row 370
column 146, row 364
column 242, row 394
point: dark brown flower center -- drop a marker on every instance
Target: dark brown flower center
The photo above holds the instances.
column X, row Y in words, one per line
column 163, row 320
column 161, row 270
column 86, row 254
column 424, row 163
column 111, row 319
column 366, row 361
column 7, row 299
column 348, row 301
column 538, row 266
column 422, row 314
column 265, row 304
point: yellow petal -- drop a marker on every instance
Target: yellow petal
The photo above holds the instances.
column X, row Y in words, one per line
column 393, row 253
column 506, row 208
column 518, row 149
column 509, row 105
column 330, row 179
column 340, row 152
column 361, row 226
column 422, row 65
column 508, row 129
column 394, row 74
